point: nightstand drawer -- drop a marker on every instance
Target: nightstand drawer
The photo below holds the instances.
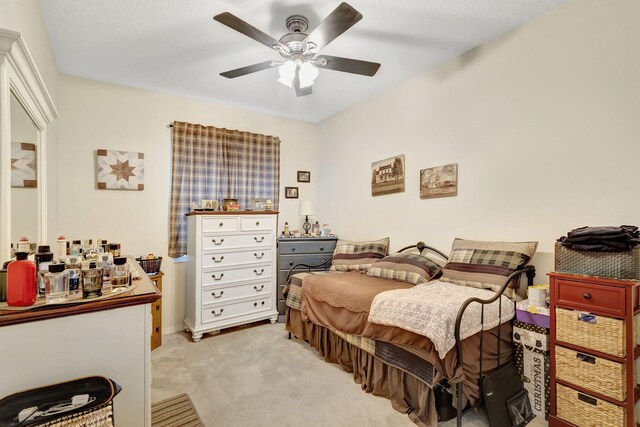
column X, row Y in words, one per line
column 321, row 246
column 292, row 247
column 286, row 262
column 584, row 296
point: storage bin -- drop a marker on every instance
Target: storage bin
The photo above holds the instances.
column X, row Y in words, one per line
column 599, row 333
column 617, row 265
column 592, row 373
column 585, row 410
column 150, row 266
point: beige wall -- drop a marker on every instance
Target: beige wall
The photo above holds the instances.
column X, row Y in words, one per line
column 99, row 115
column 543, row 123
column 25, row 17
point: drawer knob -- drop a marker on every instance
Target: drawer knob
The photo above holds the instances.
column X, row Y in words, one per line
column 322, row 248
column 213, row 294
column 259, row 273
column 217, row 278
column 221, row 224
column 291, row 263
column 255, row 304
column 217, row 260
column 262, row 302
column 586, row 358
column 259, row 241
column 259, row 256
column 258, row 290
column 293, row 248
column 586, row 295
column 217, row 314
column 257, row 223
column 216, row 242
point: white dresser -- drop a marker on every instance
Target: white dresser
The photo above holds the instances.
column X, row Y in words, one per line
column 231, row 272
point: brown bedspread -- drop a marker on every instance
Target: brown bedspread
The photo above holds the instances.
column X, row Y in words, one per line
column 342, row 302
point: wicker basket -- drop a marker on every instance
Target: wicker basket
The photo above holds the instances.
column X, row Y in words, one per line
column 593, row 373
column 583, row 410
column 150, row 265
column 617, row 265
column 602, row 334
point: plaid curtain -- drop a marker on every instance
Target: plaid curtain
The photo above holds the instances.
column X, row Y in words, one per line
column 213, row 163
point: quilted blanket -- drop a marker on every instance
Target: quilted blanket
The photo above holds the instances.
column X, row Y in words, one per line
column 430, row 309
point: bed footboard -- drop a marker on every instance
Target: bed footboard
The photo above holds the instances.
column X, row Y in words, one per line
column 530, row 273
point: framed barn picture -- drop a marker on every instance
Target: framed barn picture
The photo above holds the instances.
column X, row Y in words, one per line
column 387, row 176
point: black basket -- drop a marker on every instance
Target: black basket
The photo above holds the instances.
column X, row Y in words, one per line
column 150, row 266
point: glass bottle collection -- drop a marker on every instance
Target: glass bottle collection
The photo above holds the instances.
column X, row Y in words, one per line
column 95, row 269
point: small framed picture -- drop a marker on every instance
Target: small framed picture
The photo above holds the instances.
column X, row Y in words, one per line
column 304, row 176
column 209, row 204
column 259, row 204
column 291, row 192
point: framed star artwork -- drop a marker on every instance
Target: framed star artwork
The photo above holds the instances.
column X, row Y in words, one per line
column 119, row 170
column 23, row 165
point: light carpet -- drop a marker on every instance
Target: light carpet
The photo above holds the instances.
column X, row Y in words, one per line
column 254, row 376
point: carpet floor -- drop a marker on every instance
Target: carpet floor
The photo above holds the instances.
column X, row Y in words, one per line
column 255, row 376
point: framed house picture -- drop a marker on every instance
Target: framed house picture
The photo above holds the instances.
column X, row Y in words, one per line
column 304, row 176
column 291, row 192
column 387, row 176
column 439, row 181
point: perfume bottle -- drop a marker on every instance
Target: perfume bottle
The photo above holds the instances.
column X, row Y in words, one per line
column 21, row 281
column 92, row 281
column 120, row 273
column 76, row 248
column 74, row 269
column 43, row 258
column 104, row 262
column 56, row 284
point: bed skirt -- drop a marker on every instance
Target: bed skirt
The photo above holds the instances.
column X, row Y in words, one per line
column 407, row 394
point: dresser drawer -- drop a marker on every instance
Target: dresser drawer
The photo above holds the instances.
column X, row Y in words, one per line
column 257, row 223
column 225, row 294
column 321, row 246
column 220, row 224
column 584, row 296
column 234, row 241
column 599, row 333
column 222, row 259
column 592, row 373
column 231, row 275
column 292, row 247
column 227, row 311
column 581, row 409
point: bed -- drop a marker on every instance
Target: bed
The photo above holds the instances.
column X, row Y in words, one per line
column 395, row 359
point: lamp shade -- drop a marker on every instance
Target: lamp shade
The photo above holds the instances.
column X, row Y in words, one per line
column 306, row 207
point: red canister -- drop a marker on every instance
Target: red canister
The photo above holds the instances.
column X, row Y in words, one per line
column 21, row 281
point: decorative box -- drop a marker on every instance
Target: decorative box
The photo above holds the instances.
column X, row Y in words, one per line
column 617, row 265
column 537, row 316
column 532, row 361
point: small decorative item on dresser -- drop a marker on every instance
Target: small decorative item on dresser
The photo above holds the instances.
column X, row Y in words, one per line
column 259, row 204
column 227, row 202
column 306, row 209
column 209, row 204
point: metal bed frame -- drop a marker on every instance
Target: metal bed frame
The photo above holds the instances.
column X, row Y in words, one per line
column 530, row 273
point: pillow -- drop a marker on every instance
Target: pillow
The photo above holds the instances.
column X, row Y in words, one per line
column 405, row 267
column 486, row 265
column 351, row 255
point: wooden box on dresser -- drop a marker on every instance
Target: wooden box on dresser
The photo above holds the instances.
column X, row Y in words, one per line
column 594, row 351
column 231, row 270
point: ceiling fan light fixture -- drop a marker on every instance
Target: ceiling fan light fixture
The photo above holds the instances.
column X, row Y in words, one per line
column 308, row 74
column 287, row 73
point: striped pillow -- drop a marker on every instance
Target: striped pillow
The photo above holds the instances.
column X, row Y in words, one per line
column 405, row 267
column 351, row 255
column 486, row 265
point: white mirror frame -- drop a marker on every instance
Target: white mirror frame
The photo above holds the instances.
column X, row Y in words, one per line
column 20, row 76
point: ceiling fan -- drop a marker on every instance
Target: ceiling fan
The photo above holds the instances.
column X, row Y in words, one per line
column 300, row 50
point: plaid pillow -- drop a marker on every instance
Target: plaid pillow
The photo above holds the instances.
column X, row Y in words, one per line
column 486, row 265
column 405, row 267
column 351, row 255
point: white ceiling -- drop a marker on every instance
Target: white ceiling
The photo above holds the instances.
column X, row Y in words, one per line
column 175, row 46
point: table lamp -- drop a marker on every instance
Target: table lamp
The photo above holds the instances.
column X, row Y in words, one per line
column 306, row 209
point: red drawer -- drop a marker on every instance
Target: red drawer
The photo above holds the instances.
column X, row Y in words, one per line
column 597, row 298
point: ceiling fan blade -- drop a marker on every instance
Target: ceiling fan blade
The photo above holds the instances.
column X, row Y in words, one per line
column 340, row 20
column 248, row 30
column 348, row 65
column 301, row 91
column 238, row 72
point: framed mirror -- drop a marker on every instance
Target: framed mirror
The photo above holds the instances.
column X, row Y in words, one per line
column 26, row 109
